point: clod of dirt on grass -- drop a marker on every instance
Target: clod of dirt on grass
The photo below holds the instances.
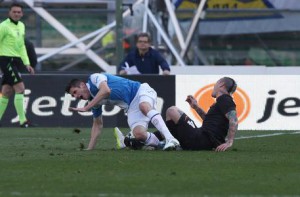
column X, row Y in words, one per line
column 81, row 146
column 76, row 130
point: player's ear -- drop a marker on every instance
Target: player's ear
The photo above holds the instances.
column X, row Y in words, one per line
column 233, row 87
column 222, row 84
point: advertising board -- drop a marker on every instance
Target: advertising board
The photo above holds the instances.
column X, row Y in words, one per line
column 47, row 103
column 264, row 102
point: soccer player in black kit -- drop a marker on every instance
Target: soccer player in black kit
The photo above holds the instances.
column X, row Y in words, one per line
column 218, row 123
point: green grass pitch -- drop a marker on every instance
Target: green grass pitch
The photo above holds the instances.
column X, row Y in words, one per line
column 50, row 162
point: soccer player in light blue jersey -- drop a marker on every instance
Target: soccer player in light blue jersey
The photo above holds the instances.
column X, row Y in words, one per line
column 138, row 100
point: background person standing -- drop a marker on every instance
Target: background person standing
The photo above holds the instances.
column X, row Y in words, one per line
column 12, row 53
column 31, row 55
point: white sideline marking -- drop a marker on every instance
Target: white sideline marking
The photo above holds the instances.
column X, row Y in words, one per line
column 266, row 135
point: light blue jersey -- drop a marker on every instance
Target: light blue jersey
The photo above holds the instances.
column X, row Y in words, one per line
column 122, row 92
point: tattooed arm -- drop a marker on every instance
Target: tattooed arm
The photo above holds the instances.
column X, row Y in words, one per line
column 193, row 103
column 233, row 125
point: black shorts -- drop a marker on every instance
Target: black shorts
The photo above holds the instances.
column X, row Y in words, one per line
column 189, row 136
column 9, row 67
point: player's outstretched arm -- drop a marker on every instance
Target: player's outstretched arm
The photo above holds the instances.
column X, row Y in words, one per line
column 104, row 92
column 233, row 125
column 95, row 132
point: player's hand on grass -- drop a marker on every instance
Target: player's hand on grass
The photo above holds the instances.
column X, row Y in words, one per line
column 82, row 147
column 223, row 147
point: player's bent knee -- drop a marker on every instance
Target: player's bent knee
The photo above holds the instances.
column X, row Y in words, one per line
column 19, row 88
column 139, row 135
column 145, row 107
column 171, row 112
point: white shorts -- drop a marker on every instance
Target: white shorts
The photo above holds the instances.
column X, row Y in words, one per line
column 135, row 116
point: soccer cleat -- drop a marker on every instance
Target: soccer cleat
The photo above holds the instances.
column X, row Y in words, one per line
column 161, row 145
column 172, row 144
column 27, row 124
column 120, row 138
column 133, row 143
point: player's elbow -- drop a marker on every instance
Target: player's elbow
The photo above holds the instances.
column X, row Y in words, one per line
column 234, row 127
column 107, row 93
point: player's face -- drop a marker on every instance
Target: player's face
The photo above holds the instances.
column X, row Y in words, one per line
column 15, row 13
column 217, row 88
column 80, row 92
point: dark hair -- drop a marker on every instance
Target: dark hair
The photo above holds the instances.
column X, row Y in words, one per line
column 230, row 84
column 15, row 4
column 143, row 34
column 73, row 83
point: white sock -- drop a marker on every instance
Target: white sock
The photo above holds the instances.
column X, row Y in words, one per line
column 159, row 124
column 152, row 140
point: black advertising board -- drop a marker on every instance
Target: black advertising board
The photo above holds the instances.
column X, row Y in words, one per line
column 47, row 104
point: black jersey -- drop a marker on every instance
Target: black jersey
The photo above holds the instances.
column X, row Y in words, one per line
column 215, row 121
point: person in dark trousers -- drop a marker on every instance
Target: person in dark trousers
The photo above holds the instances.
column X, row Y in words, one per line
column 219, row 126
column 144, row 59
column 31, row 55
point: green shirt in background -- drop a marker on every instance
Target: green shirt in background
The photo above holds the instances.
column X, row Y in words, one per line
column 12, row 40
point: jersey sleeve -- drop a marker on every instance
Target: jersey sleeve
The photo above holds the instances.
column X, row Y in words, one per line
column 23, row 52
column 97, row 79
column 2, row 32
column 24, row 56
column 226, row 104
